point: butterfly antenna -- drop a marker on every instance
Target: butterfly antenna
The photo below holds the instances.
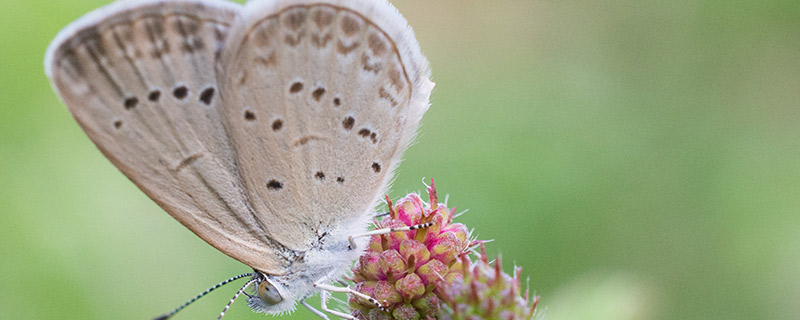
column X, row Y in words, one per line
column 173, row 312
column 238, row 293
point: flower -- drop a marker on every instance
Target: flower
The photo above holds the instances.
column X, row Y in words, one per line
column 427, row 274
column 486, row 292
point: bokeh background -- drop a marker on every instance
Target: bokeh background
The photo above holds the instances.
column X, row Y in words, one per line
column 639, row 159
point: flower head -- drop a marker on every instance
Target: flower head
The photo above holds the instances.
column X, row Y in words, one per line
column 404, row 270
column 486, row 292
column 427, row 273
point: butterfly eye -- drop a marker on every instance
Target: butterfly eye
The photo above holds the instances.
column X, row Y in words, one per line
column 268, row 292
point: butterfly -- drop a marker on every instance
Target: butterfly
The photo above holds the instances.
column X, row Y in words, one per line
column 269, row 129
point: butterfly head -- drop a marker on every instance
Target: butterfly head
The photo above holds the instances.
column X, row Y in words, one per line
column 326, row 261
column 271, row 296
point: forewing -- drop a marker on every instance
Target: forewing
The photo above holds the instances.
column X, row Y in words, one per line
column 139, row 78
column 321, row 99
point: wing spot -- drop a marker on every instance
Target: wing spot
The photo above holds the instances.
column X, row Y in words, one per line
column 269, row 61
column 303, row 140
column 350, row 25
column 383, row 94
column 368, row 134
column 376, row 167
column 321, row 41
column 180, row 92
column 277, row 125
column 371, row 67
column 322, row 18
column 396, row 77
column 274, row 185
column 376, row 44
column 345, row 50
column 249, row 115
column 188, row 161
column 207, row 95
column 154, row 95
column 294, row 40
column 320, row 175
column 296, row 87
column 317, row 94
column 337, row 102
column 340, row 180
column 348, row 123
column 131, row 103
column 117, row 124
column 296, row 19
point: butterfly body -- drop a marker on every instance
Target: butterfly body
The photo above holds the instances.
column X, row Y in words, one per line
column 271, row 130
column 329, row 260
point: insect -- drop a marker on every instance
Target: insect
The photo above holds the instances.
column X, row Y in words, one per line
column 269, row 129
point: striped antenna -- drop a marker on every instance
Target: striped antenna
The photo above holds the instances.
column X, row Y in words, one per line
column 173, row 312
column 238, row 293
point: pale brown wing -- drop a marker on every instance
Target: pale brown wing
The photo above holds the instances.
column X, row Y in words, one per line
column 322, row 98
column 139, row 78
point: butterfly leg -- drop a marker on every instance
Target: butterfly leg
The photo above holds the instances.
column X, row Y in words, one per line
column 330, row 288
column 314, row 310
column 324, row 301
column 387, row 230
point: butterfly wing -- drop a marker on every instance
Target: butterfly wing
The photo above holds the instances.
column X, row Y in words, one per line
column 139, row 78
column 322, row 98
column 297, row 129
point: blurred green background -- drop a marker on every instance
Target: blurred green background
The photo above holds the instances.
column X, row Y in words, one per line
column 640, row 160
